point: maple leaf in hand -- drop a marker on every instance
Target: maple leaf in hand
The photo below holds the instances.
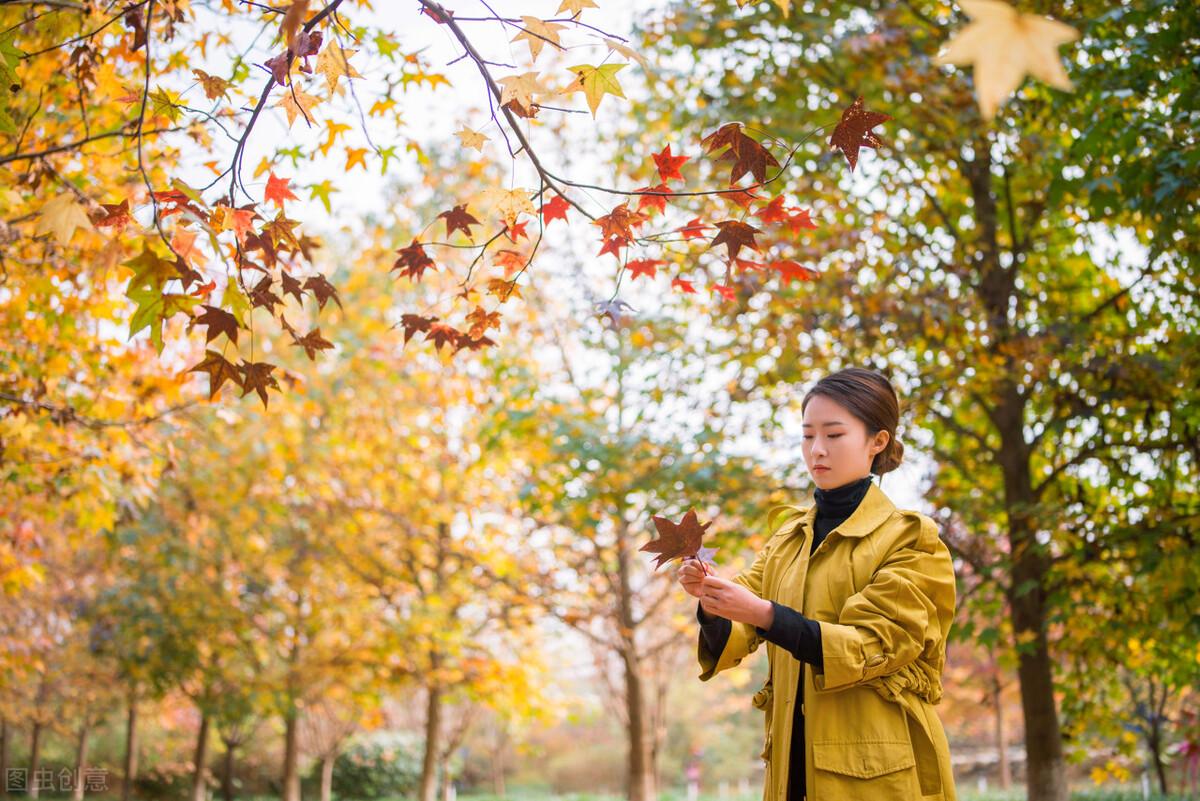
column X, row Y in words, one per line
column 854, row 131
column 676, row 540
column 1004, row 45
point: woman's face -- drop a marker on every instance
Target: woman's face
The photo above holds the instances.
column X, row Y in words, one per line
column 836, row 447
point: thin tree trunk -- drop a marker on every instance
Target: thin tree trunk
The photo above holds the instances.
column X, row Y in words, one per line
column 199, row 791
column 327, row 775
column 640, row 785
column 3, row 756
column 433, row 739
column 291, row 759
column 1000, row 734
column 227, row 772
column 81, row 750
column 131, row 747
column 35, row 758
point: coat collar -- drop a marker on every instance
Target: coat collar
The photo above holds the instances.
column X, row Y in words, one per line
column 875, row 508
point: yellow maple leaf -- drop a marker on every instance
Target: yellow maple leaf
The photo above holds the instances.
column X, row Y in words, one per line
column 333, row 62
column 537, row 32
column 61, row 216
column 509, row 203
column 356, row 155
column 575, row 6
column 1004, row 45
column 333, row 129
column 297, row 103
column 596, row 82
column 520, row 88
column 471, row 138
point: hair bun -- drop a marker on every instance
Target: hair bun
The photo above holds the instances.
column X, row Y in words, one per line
column 889, row 458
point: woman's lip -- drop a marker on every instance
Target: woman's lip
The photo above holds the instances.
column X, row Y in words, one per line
column 820, row 467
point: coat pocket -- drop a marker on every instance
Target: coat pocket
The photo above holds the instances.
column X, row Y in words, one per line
column 764, row 699
column 855, row 769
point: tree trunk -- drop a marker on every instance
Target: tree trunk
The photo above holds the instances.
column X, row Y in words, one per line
column 433, row 739
column 227, row 772
column 1001, row 735
column 35, row 758
column 3, row 756
column 291, row 759
column 81, row 750
column 131, row 748
column 499, row 746
column 640, row 786
column 199, row 790
column 997, row 287
column 327, row 775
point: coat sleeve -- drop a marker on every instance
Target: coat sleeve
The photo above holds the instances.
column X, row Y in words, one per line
column 743, row 638
column 903, row 613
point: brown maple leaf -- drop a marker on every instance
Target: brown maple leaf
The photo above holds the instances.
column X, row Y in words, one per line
column 256, row 376
column 459, row 219
column 747, row 153
column 313, row 342
column 413, row 261
column 619, row 222
column 218, row 321
column 676, row 540
column 412, row 323
column 219, row 371
column 734, row 235
column 854, row 131
column 322, row 290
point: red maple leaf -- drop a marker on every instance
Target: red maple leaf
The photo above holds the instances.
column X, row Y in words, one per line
column 800, row 219
column 790, row 270
column 115, row 214
column 613, row 245
column 459, row 219
column 668, row 165
column 694, row 229
column 685, row 285
column 277, row 190
column 556, row 209
column 516, row 230
column 640, row 267
column 773, row 211
column 413, row 261
column 726, row 292
column 854, row 131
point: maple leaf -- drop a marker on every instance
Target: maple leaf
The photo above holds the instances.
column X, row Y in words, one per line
column 256, row 377
column 685, row 285
column 296, row 102
column 801, row 219
column 640, row 267
column 619, row 222
column 854, row 131
column 614, row 310
column 481, row 320
column 555, row 209
column 413, row 261
column 356, row 155
column 219, row 371
column 747, row 153
column 459, row 219
column 413, row 323
column 154, row 308
column 613, row 245
column 516, row 231
column 537, row 32
column 442, row 334
column 734, row 235
column 668, row 165
column 773, row 211
column 510, row 260
column 470, row 138
column 694, row 229
column 575, row 6
column 726, row 292
column 115, row 214
column 312, row 342
column 290, row 286
column 676, row 540
column 218, row 321
column 61, row 216
column 322, row 290
column 213, row 87
column 655, row 200
column 277, row 190
column 334, row 64
column 520, row 88
column 509, row 203
column 1004, row 45
column 790, row 270
column 596, row 82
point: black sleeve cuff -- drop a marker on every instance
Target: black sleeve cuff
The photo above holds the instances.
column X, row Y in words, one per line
column 795, row 633
column 714, row 630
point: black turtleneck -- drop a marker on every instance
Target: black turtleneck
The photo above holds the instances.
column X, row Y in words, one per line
column 791, row 630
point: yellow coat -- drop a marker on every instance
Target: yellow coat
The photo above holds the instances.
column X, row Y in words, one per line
column 882, row 587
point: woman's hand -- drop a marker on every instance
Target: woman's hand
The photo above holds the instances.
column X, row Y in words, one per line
column 691, row 574
column 733, row 601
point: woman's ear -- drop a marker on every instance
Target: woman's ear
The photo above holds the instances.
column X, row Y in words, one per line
column 881, row 441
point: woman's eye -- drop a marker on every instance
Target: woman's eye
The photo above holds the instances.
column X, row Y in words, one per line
column 808, row 436
column 834, row 436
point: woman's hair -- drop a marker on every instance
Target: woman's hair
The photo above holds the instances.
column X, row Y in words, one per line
column 870, row 397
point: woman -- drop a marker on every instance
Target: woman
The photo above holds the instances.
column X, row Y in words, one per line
column 854, row 599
